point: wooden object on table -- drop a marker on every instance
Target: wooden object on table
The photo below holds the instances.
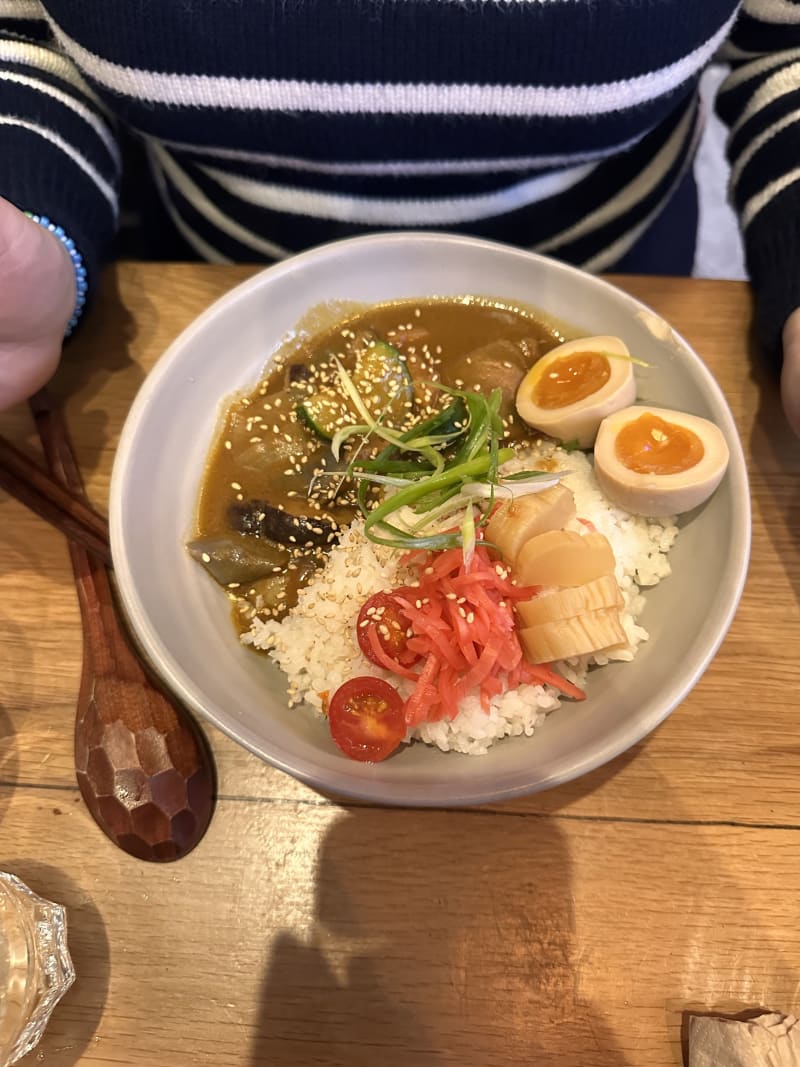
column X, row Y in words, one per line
column 26, row 481
column 143, row 768
column 574, row 928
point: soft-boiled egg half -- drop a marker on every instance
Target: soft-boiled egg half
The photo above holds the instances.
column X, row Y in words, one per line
column 657, row 462
column 567, row 393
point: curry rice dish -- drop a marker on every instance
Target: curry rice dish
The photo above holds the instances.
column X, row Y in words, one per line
column 280, row 525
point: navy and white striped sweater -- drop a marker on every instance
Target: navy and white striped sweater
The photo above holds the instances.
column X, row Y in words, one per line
column 271, row 125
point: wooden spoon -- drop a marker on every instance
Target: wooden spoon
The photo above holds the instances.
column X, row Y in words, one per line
column 143, row 767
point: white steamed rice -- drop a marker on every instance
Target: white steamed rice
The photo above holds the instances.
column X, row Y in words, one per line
column 315, row 645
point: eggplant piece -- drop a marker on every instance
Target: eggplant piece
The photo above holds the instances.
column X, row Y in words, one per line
column 236, row 559
column 297, row 373
column 258, row 518
column 277, row 593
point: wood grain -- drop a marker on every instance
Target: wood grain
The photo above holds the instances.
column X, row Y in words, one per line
column 572, row 927
column 28, row 483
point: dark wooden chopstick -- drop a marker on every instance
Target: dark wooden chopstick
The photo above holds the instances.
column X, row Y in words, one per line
column 64, row 509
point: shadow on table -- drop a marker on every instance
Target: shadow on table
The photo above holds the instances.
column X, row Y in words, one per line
column 15, row 664
column 399, row 969
column 101, row 349
column 773, row 447
column 74, row 1022
column 9, row 761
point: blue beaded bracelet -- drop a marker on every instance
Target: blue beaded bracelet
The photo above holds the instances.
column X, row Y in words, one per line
column 81, row 285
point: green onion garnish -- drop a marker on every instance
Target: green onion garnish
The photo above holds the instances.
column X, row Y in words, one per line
column 435, row 469
column 628, row 359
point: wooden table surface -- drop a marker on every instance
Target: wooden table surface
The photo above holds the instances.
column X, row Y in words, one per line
column 575, row 927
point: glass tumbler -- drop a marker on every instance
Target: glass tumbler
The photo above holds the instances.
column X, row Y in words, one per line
column 35, row 966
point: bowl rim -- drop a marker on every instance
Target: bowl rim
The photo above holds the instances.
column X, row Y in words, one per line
column 398, row 793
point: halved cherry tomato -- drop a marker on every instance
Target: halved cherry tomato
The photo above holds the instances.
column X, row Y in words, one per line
column 366, row 719
column 382, row 617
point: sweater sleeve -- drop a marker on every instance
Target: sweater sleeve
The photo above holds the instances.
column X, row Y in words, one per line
column 58, row 153
column 760, row 103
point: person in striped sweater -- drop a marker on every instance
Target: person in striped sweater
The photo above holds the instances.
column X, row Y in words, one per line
column 264, row 127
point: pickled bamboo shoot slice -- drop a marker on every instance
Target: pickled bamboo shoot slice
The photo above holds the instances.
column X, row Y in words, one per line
column 524, row 517
column 567, row 603
column 593, row 631
column 563, row 558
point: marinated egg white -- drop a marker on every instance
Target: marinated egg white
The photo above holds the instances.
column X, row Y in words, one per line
column 568, row 392
column 657, row 462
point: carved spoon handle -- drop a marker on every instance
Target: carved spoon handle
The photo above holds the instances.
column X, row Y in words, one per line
column 143, row 767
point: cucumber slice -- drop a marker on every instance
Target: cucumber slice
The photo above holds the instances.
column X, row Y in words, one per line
column 323, row 414
column 383, row 382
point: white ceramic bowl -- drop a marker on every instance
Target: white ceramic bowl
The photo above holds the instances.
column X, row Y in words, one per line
column 182, row 618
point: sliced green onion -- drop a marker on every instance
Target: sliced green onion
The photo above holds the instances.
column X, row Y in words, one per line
column 376, row 524
column 628, row 359
column 381, row 479
column 426, row 481
column 523, row 476
column 483, row 490
column 468, row 536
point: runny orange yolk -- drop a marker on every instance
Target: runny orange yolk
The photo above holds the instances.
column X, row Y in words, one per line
column 571, row 378
column 651, row 445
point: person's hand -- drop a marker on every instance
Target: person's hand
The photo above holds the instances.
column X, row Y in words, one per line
column 790, row 375
column 37, row 298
